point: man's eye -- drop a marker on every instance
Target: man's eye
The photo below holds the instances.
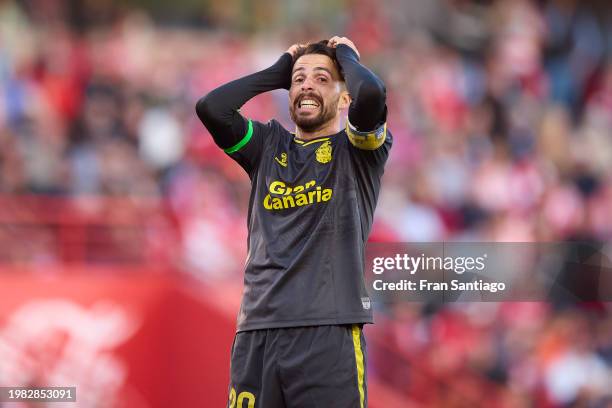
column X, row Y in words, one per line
column 298, row 79
column 322, row 79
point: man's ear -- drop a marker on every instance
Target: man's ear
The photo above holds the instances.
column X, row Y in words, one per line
column 345, row 100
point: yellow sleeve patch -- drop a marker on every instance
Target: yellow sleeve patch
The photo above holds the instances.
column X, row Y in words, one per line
column 366, row 140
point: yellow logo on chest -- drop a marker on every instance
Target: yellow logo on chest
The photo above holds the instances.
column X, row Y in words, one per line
column 324, row 153
column 283, row 160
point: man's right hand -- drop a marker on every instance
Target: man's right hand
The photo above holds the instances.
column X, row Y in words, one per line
column 294, row 48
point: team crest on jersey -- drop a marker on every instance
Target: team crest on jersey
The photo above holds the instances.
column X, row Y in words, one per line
column 283, row 159
column 324, row 153
column 365, row 302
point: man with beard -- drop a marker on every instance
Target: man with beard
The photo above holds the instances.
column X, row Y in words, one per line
column 299, row 341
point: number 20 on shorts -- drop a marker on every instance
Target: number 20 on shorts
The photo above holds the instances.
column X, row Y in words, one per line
column 244, row 395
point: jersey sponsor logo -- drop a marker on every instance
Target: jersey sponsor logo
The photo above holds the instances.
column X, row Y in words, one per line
column 324, row 153
column 365, row 302
column 283, row 196
column 283, row 160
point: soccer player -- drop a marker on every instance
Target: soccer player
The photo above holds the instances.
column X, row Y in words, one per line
column 299, row 340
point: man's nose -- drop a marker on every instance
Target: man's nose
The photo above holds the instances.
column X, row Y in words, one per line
column 307, row 84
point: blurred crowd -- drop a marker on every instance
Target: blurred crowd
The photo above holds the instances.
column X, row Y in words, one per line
column 502, row 355
column 501, row 113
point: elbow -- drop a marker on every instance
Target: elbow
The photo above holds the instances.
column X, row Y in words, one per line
column 368, row 109
column 212, row 110
column 372, row 93
column 204, row 108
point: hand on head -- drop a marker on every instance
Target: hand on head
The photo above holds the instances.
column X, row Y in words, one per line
column 337, row 40
column 332, row 42
column 294, row 48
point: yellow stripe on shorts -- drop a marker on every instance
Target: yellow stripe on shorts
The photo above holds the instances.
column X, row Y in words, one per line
column 359, row 361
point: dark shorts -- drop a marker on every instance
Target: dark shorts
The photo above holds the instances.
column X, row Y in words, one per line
column 316, row 366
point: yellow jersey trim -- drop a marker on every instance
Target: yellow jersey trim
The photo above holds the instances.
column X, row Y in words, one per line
column 303, row 143
column 316, row 141
column 359, row 362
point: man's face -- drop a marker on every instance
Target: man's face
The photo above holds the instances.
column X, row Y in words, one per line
column 317, row 94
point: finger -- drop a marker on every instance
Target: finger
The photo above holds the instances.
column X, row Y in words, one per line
column 333, row 41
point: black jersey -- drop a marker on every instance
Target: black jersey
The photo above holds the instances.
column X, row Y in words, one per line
column 310, row 213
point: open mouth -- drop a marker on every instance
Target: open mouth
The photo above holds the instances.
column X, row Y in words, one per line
column 308, row 103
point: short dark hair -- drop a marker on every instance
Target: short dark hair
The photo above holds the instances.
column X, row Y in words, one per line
column 320, row 47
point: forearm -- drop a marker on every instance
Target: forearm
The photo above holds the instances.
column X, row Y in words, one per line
column 368, row 94
column 218, row 110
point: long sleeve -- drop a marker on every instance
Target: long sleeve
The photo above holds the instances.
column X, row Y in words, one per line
column 368, row 110
column 218, row 110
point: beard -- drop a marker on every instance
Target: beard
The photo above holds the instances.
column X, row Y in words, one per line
column 313, row 123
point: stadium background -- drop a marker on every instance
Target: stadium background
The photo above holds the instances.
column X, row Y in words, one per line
column 122, row 227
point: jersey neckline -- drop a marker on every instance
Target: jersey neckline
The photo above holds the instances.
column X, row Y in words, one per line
column 306, row 142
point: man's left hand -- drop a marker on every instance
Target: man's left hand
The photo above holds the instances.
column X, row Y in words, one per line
column 337, row 40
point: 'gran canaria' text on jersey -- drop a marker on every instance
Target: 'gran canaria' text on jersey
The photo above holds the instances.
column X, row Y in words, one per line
column 282, row 196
